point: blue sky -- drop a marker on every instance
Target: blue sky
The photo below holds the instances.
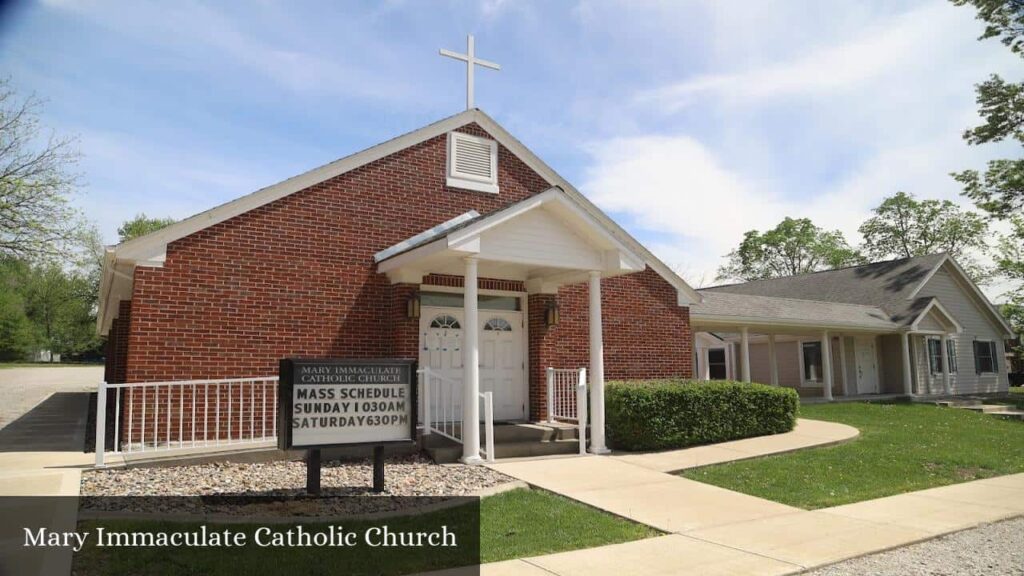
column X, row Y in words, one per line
column 690, row 122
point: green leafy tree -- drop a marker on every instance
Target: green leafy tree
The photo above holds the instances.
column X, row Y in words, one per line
column 795, row 246
column 903, row 226
column 18, row 337
column 142, row 225
column 1000, row 189
column 36, row 181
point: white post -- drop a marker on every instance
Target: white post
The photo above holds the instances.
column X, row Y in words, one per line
column 471, row 368
column 551, row 394
column 425, row 372
column 842, row 364
column 945, row 364
column 705, row 367
column 826, row 364
column 597, row 445
column 581, row 410
column 773, row 360
column 101, row 423
column 905, row 351
column 745, row 345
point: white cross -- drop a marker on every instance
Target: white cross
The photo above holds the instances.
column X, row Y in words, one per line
column 470, row 59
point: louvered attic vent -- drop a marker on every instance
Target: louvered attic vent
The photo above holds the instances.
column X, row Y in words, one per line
column 472, row 163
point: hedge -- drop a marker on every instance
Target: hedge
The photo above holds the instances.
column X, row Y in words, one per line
column 664, row 414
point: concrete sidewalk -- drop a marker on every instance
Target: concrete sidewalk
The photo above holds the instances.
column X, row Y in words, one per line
column 42, row 438
column 716, row 531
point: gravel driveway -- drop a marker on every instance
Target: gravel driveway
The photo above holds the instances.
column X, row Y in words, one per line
column 989, row 550
column 22, row 389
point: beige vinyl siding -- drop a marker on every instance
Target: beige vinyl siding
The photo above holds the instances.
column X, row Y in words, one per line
column 930, row 322
column 788, row 363
column 977, row 325
column 789, row 366
column 891, row 368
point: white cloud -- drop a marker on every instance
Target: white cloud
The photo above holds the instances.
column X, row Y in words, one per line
column 821, row 70
column 842, row 117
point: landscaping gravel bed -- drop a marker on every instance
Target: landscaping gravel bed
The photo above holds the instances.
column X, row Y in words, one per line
column 345, row 487
column 984, row 551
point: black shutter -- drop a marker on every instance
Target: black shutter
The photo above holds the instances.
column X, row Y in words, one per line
column 995, row 364
column 977, row 360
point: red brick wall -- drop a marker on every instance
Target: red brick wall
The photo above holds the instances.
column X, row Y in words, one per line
column 646, row 334
column 296, row 277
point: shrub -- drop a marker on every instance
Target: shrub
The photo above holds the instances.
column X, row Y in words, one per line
column 663, row 414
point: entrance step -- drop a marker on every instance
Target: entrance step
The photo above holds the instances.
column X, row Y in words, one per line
column 511, row 441
column 986, row 408
column 958, row 403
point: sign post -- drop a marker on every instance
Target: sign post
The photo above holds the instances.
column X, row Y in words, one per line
column 325, row 403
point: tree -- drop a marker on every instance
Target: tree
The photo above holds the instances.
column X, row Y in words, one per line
column 142, row 225
column 1000, row 190
column 903, row 227
column 36, row 181
column 18, row 337
column 795, row 246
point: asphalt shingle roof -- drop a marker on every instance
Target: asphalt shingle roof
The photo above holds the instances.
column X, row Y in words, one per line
column 788, row 310
column 882, row 285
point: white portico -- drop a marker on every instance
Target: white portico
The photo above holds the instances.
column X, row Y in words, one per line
column 545, row 242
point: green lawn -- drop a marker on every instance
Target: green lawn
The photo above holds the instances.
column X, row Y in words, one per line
column 902, row 447
column 511, row 525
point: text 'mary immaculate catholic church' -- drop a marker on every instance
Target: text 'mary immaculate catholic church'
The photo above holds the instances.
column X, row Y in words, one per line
column 453, row 245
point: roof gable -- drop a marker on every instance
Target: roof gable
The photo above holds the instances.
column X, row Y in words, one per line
column 151, row 249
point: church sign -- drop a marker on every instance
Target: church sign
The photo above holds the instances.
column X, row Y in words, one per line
column 325, row 403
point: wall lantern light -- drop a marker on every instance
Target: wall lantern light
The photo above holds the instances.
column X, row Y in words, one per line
column 551, row 315
column 412, row 306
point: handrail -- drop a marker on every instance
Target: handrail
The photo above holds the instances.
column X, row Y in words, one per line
column 564, row 386
column 442, row 405
column 180, row 402
column 488, row 450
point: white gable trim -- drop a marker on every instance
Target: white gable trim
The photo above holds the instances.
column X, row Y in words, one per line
column 146, row 247
column 915, row 326
column 424, row 236
column 964, row 280
column 468, row 239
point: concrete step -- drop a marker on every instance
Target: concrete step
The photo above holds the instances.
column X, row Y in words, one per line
column 523, row 449
column 511, row 441
column 985, row 408
column 1010, row 414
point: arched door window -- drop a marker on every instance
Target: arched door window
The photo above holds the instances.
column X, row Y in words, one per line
column 497, row 325
column 445, row 321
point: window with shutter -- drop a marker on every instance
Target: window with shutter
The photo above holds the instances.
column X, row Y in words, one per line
column 985, row 356
column 472, row 163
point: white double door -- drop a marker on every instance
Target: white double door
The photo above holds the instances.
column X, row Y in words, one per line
column 502, row 365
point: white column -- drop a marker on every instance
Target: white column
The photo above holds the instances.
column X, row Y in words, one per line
column 826, row 364
column 905, row 352
column 842, row 364
column 745, row 344
column 597, row 445
column 945, row 364
column 471, row 368
column 773, row 360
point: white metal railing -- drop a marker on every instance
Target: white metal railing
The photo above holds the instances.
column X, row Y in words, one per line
column 186, row 414
column 441, row 398
column 567, row 399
